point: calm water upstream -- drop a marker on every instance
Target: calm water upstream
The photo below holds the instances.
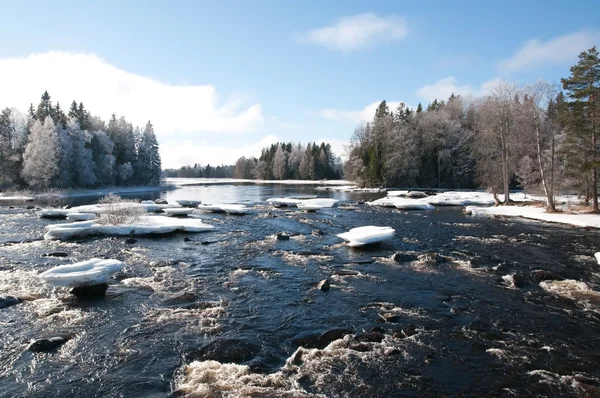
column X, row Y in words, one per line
column 224, row 313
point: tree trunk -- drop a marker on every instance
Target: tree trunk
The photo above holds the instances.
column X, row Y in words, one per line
column 549, row 199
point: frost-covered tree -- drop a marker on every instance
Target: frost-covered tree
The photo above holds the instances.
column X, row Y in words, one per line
column 148, row 157
column 41, row 158
column 279, row 163
column 103, row 158
column 82, row 159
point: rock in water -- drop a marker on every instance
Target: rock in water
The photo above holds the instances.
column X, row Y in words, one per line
column 401, row 257
column 226, row 351
column 91, row 291
column 48, row 344
column 7, row 301
column 323, row 285
column 432, row 257
column 161, row 202
column 322, row 340
column 282, row 236
column 29, row 207
column 317, row 232
column 130, row 241
column 56, row 254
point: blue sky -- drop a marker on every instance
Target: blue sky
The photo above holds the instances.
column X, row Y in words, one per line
column 221, row 79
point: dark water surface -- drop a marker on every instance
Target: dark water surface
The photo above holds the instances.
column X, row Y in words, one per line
column 240, row 304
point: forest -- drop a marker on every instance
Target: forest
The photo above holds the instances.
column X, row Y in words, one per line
column 537, row 136
column 48, row 148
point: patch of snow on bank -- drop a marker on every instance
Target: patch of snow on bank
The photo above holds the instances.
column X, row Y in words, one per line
column 537, row 213
column 402, row 203
column 361, row 236
column 85, row 273
column 461, row 199
column 146, row 225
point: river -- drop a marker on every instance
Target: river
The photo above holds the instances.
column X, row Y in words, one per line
column 224, row 313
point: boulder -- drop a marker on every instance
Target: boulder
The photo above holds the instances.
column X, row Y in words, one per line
column 520, row 280
column 403, row 257
column 539, row 275
column 373, row 336
column 320, row 341
column 56, row 254
column 317, row 232
column 47, row 344
column 282, row 236
column 323, row 285
column 226, row 351
column 29, row 207
column 161, row 202
column 432, row 257
column 8, row 301
column 91, row 291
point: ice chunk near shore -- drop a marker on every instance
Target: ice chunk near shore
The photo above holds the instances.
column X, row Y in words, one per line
column 85, row 273
column 76, row 216
column 461, row 199
column 316, row 204
column 179, row 211
column 188, row 202
column 224, row 208
column 402, row 203
column 597, row 255
column 54, row 213
column 391, row 194
column 284, row 202
column 145, row 225
column 361, row 236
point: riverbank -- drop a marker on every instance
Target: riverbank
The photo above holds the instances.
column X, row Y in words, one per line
column 26, row 196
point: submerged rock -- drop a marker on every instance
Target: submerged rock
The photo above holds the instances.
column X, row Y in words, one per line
column 56, row 254
column 8, row 301
column 320, row 341
column 91, row 291
column 403, row 257
column 29, row 207
column 324, row 285
column 226, row 351
column 48, row 344
column 346, row 272
column 432, row 257
column 539, row 275
column 317, row 232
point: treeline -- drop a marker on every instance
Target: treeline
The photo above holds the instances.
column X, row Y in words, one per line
column 536, row 136
column 283, row 161
column 198, row 171
column 49, row 148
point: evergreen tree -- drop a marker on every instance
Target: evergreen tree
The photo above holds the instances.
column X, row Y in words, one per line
column 583, row 90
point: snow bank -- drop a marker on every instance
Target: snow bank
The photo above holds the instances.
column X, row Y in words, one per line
column 316, row 204
column 178, row 211
column 80, row 216
column 85, row 273
column 361, row 236
column 402, row 203
column 461, row 199
column 537, row 213
column 146, row 225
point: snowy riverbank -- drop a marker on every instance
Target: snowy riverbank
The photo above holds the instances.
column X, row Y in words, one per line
column 537, row 213
column 59, row 194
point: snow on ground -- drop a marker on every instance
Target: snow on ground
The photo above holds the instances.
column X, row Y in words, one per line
column 537, row 213
column 85, row 273
column 146, row 225
column 361, row 236
column 213, row 181
column 316, row 204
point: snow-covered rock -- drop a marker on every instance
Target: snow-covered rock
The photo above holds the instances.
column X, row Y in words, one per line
column 402, row 203
column 536, row 213
column 316, row 204
column 85, row 273
column 284, row 202
column 224, row 208
column 361, row 236
column 146, row 225
column 80, row 216
column 180, row 211
column 188, row 202
column 396, row 193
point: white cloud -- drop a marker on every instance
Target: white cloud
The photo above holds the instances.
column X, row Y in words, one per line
column 559, row 50
column 357, row 116
column 358, row 31
column 175, row 154
column 444, row 88
column 105, row 89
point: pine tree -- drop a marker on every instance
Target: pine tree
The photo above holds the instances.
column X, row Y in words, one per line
column 583, row 90
column 419, row 108
column 148, row 158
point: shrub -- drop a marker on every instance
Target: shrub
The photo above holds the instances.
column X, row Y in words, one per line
column 119, row 210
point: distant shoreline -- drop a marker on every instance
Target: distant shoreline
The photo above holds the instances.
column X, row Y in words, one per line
column 76, row 193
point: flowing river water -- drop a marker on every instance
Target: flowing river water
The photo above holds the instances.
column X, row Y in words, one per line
column 234, row 312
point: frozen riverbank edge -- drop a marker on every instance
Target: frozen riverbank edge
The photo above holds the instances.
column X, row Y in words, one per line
column 58, row 194
column 585, row 220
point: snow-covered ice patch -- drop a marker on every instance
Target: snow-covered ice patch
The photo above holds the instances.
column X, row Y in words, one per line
column 361, row 236
column 146, row 225
column 402, row 203
column 536, row 213
column 188, row 202
column 396, row 193
column 284, row 202
column 316, row 204
column 224, row 208
column 180, row 211
column 461, row 199
column 85, row 273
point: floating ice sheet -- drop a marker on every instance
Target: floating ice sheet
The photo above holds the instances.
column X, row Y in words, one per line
column 85, row 273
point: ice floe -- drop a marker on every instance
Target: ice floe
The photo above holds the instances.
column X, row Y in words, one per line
column 85, row 273
column 452, row 198
column 316, row 204
column 361, row 236
column 80, row 216
column 536, row 213
column 402, row 203
column 181, row 211
column 284, row 202
column 597, row 255
column 147, row 206
column 145, row 225
column 224, row 208
column 188, row 202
